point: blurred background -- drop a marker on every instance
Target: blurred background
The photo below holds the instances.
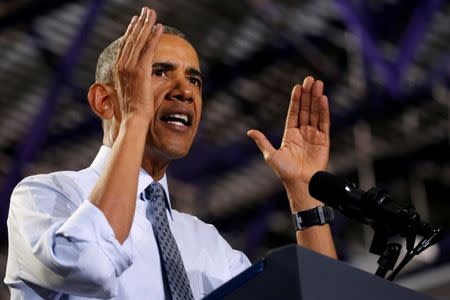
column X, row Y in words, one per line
column 386, row 69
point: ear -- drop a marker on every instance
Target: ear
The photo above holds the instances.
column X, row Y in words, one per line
column 101, row 99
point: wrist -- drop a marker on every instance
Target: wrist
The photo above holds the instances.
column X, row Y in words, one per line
column 135, row 122
column 299, row 197
column 132, row 128
column 320, row 215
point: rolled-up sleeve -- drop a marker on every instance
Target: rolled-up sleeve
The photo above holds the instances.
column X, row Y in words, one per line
column 62, row 244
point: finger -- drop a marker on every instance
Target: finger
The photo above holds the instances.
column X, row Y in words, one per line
column 317, row 92
column 124, row 39
column 324, row 115
column 127, row 52
column 305, row 101
column 140, row 44
column 262, row 142
column 152, row 43
column 294, row 107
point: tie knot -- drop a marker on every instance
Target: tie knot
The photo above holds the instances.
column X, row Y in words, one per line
column 155, row 194
column 156, row 189
column 156, row 197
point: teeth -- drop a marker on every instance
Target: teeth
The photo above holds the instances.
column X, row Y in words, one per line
column 180, row 116
column 176, row 123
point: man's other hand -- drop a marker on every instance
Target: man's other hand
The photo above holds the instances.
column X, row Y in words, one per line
column 132, row 71
column 305, row 146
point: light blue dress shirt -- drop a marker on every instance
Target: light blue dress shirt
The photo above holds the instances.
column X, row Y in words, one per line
column 62, row 247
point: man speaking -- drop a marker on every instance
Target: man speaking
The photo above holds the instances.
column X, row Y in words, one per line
column 109, row 231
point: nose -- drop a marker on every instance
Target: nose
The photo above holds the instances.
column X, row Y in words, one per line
column 181, row 91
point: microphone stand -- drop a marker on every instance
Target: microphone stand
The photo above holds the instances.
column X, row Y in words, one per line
column 426, row 242
column 388, row 259
column 376, row 208
column 398, row 221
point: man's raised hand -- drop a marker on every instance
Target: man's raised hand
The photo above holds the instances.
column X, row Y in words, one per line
column 305, row 146
column 132, row 72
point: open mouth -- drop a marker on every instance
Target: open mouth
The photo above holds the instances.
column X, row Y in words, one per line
column 180, row 119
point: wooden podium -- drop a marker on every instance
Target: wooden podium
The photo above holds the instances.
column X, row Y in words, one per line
column 293, row 272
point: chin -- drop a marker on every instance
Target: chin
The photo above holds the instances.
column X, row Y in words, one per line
column 177, row 154
column 172, row 152
column 169, row 144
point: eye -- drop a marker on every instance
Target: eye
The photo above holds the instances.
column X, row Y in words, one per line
column 194, row 81
column 159, row 73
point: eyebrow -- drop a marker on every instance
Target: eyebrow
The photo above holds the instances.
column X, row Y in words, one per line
column 167, row 66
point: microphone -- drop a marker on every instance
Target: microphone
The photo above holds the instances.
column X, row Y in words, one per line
column 338, row 193
column 374, row 207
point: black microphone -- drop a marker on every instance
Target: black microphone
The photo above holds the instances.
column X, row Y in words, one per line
column 333, row 190
column 341, row 194
column 373, row 207
column 376, row 208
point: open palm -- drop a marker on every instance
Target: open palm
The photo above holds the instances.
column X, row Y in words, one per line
column 305, row 146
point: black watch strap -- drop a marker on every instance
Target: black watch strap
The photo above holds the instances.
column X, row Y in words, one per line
column 315, row 216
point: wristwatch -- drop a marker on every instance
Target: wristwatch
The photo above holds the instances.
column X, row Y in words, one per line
column 315, row 216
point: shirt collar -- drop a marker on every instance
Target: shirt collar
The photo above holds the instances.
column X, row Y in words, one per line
column 99, row 164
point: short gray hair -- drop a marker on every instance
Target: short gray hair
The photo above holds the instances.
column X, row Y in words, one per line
column 107, row 59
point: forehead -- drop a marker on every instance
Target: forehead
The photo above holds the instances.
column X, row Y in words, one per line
column 175, row 49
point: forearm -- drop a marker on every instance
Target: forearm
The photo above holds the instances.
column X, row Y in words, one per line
column 317, row 238
column 115, row 192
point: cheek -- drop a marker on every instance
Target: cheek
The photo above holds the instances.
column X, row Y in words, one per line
column 198, row 104
column 158, row 100
column 198, row 115
column 160, row 88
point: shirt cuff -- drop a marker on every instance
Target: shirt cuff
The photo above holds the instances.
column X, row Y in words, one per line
column 89, row 224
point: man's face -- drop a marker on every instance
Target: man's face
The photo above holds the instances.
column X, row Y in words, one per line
column 177, row 85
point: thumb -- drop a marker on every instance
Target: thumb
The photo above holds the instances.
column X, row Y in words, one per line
column 262, row 142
